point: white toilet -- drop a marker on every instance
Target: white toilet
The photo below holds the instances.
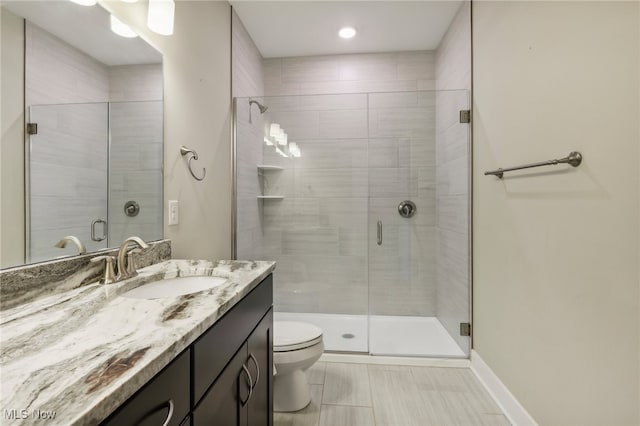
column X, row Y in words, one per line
column 296, row 347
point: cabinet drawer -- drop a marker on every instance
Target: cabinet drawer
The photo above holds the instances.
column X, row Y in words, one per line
column 215, row 348
column 150, row 405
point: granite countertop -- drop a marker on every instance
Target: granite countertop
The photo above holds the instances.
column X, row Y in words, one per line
column 78, row 355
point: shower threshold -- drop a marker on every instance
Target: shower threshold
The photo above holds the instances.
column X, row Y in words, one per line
column 381, row 334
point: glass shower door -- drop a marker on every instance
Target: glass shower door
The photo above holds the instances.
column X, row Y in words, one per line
column 368, row 222
column 409, row 220
column 68, row 175
column 317, row 231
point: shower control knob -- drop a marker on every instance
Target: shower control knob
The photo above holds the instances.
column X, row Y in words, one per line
column 131, row 208
column 407, row 208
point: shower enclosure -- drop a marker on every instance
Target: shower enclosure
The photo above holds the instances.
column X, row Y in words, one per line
column 86, row 161
column 363, row 200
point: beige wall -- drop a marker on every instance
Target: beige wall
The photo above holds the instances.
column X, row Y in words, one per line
column 12, row 123
column 197, row 96
column 556, row 306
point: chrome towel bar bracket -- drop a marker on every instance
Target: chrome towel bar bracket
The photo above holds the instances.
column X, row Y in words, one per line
column 574, row 159
column 192, row 156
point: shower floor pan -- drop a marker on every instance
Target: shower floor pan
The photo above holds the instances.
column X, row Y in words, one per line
column 387, row 335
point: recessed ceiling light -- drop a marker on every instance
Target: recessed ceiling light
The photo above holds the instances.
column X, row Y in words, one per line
column 347, row 32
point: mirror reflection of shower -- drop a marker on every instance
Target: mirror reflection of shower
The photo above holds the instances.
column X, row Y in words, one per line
column 261, row 107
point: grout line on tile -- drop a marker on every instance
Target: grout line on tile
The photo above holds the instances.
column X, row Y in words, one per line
column 373, row 405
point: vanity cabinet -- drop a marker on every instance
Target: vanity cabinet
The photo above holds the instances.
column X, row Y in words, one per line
column 260, row 344
column 242, row 394
column 224, row 378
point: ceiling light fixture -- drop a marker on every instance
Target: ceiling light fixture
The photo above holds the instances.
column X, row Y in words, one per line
column 160, row 16
column 85, row 2
column 347, row 32
column 122, row 29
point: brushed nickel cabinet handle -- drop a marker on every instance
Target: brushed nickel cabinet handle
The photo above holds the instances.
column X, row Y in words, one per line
column 255, row 361
column 168, row 403
column 250, row 383
column 169, row 415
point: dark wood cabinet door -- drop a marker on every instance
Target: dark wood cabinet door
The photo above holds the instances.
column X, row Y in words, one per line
column 164, row 398
column 260, row 365
column 224, row 403
column 213, row 350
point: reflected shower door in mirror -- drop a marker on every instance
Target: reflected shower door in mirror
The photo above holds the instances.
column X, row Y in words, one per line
column 86, row 162
column 68, row 168
column 94, row 168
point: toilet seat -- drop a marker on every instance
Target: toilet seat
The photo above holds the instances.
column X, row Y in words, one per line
column 293, row 335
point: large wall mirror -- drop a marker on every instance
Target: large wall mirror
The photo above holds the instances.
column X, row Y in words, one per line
column 82, row 131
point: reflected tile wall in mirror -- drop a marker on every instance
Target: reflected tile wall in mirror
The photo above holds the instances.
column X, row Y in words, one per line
column 69, row 168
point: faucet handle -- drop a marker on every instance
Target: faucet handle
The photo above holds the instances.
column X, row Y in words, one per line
column 109, row 272
column 132, row 269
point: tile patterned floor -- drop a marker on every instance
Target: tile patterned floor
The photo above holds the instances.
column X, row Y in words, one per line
column 392, row 395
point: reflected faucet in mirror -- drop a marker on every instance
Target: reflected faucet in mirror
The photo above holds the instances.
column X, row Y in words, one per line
column 70, row 238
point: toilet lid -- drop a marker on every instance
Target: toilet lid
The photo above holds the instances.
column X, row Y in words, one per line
column 294, row 335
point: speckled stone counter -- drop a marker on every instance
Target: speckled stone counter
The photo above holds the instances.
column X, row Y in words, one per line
column 83, row 352
column 24, row 283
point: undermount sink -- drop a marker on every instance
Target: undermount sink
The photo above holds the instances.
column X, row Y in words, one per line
column 173, row 287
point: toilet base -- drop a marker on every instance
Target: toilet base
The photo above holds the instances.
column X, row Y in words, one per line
column 290, row 391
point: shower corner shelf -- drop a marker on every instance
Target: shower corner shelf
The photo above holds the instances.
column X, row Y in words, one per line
column 270, row 197
column 264, row 167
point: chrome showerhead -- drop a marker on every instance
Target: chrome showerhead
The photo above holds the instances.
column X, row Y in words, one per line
column 260, row 106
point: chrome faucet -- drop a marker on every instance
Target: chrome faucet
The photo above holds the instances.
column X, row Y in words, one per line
column 128, row 270
column 70, row 238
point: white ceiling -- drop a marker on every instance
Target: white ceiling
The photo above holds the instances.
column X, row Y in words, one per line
column 306, row 28
column 86, row 28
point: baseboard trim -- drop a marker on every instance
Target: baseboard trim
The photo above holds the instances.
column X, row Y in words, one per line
column 394, row 360
column 510, row 406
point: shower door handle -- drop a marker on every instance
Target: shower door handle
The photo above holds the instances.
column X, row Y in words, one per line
column 94, row 237
column 379, row 232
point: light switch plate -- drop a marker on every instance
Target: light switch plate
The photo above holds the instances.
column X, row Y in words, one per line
column 174, row 212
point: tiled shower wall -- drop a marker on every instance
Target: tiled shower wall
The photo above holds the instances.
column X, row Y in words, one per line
column 57, row 73
column 361, row 156
column 453, row 71
column 362, row 73
column 68, row 180
column 135, row 170
column 247, row 82
column 136, row 151
column 69, row 172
